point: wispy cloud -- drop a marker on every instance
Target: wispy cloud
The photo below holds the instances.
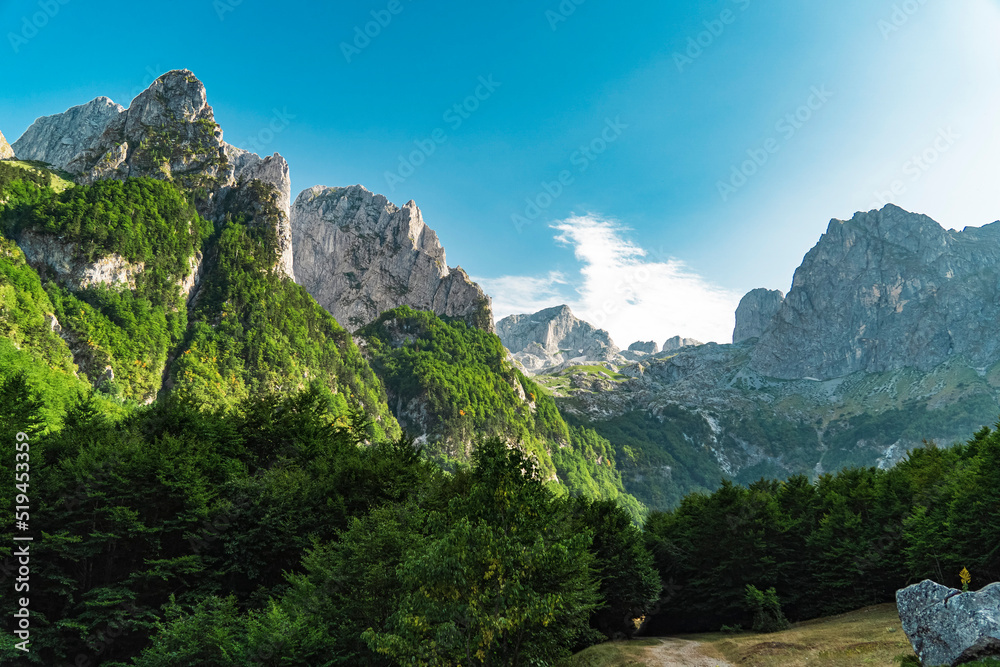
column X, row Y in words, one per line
column 633, row 292
column 524, row 294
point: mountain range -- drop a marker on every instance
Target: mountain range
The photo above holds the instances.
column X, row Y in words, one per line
column 231, row 286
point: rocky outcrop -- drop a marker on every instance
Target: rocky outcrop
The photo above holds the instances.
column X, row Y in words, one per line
column 554, row 337
column 947, row 627
column 676, row 343
column 885, row 290
column 359, row 255
column 645, row 347
column 59, row 138
column 61, row 261
column 755, row 312
column 6, row 152
column 169, row 132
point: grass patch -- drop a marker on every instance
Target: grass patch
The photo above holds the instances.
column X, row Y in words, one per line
column 60, row 179
column 870, row 636
column 592, row 368
column 613, row 654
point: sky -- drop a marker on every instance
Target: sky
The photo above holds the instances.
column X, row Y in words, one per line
column 647, row 163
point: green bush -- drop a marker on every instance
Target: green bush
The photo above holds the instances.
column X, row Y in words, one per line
column 766, row 610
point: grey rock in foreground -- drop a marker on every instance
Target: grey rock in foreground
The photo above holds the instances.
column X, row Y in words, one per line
column 6, row 152
column 359, row 255
column 57, row 139
column 948, row 627
column 553, row 337
column 883, row 291
column 755, row 312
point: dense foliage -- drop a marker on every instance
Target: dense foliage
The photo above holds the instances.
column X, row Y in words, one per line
column 846, row 541
column 28, row 342
column 273, row 534
column 452, row 383
column 127, row 329
column 254, row 330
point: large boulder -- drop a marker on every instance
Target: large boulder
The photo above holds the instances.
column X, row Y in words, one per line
column 948, row 627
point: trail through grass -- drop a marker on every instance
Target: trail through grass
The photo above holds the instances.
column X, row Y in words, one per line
column 872, row 636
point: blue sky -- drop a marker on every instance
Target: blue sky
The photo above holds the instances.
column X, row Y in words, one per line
column 632, row 114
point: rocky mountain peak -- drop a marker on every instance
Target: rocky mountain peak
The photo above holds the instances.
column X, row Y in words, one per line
column 57, row 139
column 885, row 290
column 6, row 152
column 646, row 347
column 359, row 255
column 177, row 96
column 677, row 342
column 553, row 337
column 168, row 132
column 755, row 312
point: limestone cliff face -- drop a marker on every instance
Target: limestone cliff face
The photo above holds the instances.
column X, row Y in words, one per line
column 755, row 312
column 59, row 138
column 6, row 152
column 553, row 337
column 359, row 255
column 886, row 290
column 168, row 132
column 60, row 260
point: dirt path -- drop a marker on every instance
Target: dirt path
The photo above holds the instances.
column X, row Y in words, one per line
column 681, row 653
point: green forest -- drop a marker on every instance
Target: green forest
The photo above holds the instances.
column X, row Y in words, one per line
column 466, row 389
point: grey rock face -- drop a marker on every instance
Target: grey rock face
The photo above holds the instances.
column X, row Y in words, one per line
column 359, row 255
column 553, row 337
column 947, row 627
column 676, row 343
column 755, row 312
column 168, row 132
column 6, row 152
column 271, row 170
column 60, row 260
column 646, row 347
column 886, row 290
column 59, row 138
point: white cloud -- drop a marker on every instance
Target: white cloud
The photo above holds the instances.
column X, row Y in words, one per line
column 633, row 293
column 524, row 294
